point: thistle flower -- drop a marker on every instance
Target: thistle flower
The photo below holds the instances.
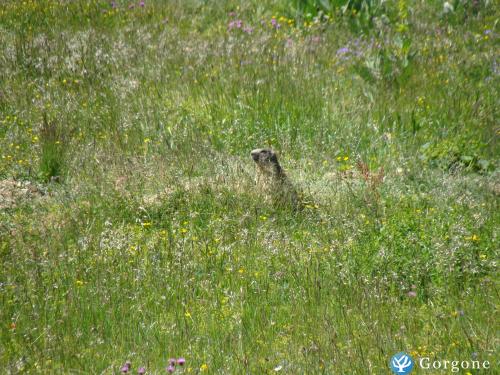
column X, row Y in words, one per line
column 181, row 361
column 126, row 367
column 170, row 369
column 141, row 371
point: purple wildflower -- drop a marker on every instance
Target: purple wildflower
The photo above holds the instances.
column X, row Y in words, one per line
column 141, row 3
column 235, row 24
column 275, row 23
column 487, row 32
column 113, row 4
column 232, row 14
column 170, row 369
column 126, row 367
column 342, row 51
column 248, row 29
column 181, row 361
column 172, row 361
column 141, row 371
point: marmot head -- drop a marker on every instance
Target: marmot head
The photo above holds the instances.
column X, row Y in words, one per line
column 264, row 156
column 267, row 160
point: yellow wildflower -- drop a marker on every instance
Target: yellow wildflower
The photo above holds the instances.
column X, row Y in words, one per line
column 472, row 238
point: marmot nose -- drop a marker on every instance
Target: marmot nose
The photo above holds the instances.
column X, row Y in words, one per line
column 255, row 154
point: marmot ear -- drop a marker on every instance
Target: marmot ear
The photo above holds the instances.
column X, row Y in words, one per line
column 274, row 158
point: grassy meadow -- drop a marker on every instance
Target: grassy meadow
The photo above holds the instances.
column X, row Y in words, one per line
column 131, row 226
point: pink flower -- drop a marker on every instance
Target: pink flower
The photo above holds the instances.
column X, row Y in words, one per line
column 170, row 369
column 235, row 24
column 126, row 367
column 181, row 361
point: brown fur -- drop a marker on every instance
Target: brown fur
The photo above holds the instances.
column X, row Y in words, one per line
column 272, row 179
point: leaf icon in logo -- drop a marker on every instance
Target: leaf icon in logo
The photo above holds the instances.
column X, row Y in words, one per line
column 401, row 363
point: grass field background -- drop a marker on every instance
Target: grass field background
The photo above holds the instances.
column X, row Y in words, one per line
column 130, row 224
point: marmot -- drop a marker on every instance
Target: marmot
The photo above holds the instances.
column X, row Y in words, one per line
column 273, row 181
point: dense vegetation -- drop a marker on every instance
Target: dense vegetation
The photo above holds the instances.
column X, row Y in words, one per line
column 130, row 224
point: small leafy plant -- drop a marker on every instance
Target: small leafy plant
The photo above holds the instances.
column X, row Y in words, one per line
column 51, row 165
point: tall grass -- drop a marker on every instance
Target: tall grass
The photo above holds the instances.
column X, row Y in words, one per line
column 151, row 240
